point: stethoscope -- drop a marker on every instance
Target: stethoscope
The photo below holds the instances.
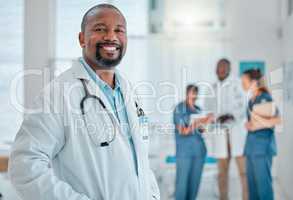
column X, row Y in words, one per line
column 88, row 95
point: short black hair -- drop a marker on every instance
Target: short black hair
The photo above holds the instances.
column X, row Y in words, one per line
column 96, row 7
column 191, row 87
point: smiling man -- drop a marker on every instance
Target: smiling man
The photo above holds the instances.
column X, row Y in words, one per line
column 93, row 145
column 101, row 49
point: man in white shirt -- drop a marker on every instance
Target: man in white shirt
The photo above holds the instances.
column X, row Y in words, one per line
column 228, row 105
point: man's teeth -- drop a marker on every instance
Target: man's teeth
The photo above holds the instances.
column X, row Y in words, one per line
column 110, row 48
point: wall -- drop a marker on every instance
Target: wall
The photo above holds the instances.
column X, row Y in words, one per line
column 285, row 160
column 252, row 31
column 11, row 62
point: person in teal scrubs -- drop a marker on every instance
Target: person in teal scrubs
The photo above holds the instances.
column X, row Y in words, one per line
column 260, row 145
column 190, row 146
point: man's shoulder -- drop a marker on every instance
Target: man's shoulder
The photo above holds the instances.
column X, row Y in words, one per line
column 66, row 76
column 60, row 84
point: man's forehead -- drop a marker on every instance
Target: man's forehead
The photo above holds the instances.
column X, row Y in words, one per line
column 223, row 66
column 104, row 15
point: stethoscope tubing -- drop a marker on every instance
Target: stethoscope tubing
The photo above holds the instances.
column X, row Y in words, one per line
column 82, row 103
column 140, row 112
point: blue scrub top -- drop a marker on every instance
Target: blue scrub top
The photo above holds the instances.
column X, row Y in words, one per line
column 261, row 142
column 191, row 145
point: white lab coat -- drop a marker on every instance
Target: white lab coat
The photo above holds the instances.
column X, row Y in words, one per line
column 54, row 157
column 228, row 98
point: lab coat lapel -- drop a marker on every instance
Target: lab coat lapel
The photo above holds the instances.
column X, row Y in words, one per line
column 94, row 89
column 80, row 72
column 129, row 100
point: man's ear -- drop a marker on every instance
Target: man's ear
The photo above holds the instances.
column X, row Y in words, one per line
column 81, row 39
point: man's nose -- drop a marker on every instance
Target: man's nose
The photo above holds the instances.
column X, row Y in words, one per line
column 110, row 36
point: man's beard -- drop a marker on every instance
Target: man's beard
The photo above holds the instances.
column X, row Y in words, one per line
column 107, row 63
column 224, row 77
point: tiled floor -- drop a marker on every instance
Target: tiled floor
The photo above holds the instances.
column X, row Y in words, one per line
column 208, row 190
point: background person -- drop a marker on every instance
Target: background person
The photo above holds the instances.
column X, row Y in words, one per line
column 190, row 146
column 260, row 145
column 229, row 138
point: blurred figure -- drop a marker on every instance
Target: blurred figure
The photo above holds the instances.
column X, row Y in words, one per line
column 229, row 140
column 260, row 145
column 190, row 146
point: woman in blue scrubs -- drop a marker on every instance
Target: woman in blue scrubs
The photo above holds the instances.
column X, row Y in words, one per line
column 190, row 146
column 260, row 144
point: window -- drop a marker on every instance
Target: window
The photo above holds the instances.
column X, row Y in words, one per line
column 11, row 39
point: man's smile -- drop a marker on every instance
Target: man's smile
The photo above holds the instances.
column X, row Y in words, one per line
column 109, row 48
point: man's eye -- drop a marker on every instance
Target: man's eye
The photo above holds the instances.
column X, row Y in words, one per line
column 120, row 31
column 100, row 29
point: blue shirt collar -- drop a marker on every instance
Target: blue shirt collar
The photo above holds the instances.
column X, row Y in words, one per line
column 102, row 84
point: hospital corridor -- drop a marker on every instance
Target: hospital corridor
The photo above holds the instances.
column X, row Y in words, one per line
column 146, row 100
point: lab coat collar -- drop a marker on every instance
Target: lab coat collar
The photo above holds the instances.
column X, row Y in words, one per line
column 97, row 79
column 229, row 79
column 79, row 72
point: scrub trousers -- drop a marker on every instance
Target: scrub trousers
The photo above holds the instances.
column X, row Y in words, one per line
column 188, row 177
column 259, row 176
